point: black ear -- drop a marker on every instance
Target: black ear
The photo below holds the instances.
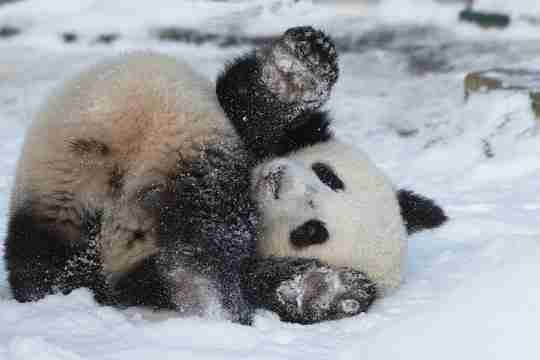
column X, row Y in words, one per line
column 311, row 232
column 419, row 212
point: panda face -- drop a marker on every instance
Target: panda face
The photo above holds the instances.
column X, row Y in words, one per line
column 329, row 201
column 286, row 189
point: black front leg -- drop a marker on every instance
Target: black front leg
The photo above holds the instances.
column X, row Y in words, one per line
column 187, row 285
column 306, row 291
column 42, row 257
column 142, row 286
column 272, row 92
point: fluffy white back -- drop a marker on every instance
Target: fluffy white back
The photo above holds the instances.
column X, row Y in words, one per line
column 364, row 222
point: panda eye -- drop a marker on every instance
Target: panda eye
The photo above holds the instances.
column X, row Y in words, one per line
column 328, row 176
column 311, row 232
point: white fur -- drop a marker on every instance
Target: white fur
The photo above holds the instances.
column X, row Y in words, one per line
column 366, row 229
column 148, row 110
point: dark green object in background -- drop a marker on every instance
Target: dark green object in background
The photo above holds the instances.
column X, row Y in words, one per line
column 484, row 19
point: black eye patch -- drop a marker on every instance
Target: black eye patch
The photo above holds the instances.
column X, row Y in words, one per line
column 311, row 232
column 328, row 176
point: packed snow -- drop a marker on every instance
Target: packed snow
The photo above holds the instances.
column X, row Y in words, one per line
column 470, row 290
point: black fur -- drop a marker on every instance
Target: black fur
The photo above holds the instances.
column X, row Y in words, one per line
column 147, row 286
column 208, row 204
column 268, row 124
column 316, row 299
column 41, row 260
column 258, row 115
column 311, row 129
column 419, row 212
column 143, row 286
column 208, row 221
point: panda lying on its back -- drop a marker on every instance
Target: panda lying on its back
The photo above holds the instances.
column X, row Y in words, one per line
column 132, row 182
column 318, row 197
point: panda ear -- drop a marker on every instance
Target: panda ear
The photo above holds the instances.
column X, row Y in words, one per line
column 312, row 232
column 419, row 212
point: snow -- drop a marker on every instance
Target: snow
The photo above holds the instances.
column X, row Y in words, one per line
column 515, row 7
column 470, row 288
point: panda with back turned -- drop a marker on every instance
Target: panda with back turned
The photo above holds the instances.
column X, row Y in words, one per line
column 134, row 183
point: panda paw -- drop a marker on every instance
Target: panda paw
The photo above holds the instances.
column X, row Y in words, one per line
column 324, row 293
column 300, row 67
column 315, row 50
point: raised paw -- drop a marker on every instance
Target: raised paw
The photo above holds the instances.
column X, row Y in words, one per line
column 315, row 49
column 324, row 293
column 300, row 67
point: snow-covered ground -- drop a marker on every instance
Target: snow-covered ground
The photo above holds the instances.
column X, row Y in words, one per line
column 470, row 290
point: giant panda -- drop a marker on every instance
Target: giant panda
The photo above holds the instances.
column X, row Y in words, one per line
column 318, row 197
column 134, row 182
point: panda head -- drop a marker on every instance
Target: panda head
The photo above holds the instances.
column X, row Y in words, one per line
column 329, row 201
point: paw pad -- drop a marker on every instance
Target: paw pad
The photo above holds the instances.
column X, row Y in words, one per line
column 324, row 293
column 301, row 67
column 315, row 49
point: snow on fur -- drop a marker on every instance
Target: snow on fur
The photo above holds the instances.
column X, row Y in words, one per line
column 470, row 287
